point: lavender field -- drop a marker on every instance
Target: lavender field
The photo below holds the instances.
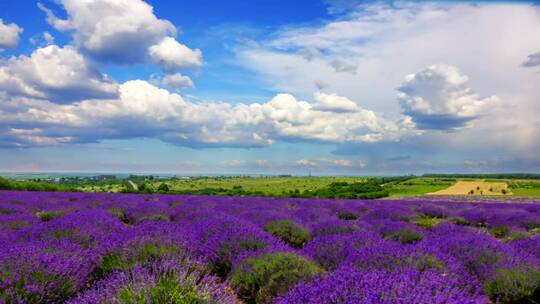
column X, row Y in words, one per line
column 121, row 248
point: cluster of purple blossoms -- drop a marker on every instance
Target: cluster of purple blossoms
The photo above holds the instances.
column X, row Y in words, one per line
column 126, row 248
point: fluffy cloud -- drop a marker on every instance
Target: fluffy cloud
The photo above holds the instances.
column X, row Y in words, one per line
column 334, row 103
column 306, row 163
column 385, row 42
column 262, row 162
column 123, row 32
column 9, row 35
column 177, row 81
column 144, row 110
column 293, row 119
column 331, row 163
column 59, row 74
column 42, row 40
column 438, row 98
column 532, row 60
column 172, row 55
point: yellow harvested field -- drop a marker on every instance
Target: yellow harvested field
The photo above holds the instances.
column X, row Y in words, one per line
column 475, row 188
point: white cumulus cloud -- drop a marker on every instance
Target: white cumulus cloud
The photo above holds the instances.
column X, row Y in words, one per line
column 9, row 35
column 59, row 74
column 172, row 55
column 123, row 32
column 334, row 103
column 438, row 97
column 143, row 110
column 177, row 81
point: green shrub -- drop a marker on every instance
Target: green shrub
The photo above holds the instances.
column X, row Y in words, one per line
column 222, row 265
column 516, row 285
column 163, row 188
column 14, row 225
column 46, row 216
column 5, row 184
column 167, row 290
column 120, row 214
column 516, row 235
column 6, row 211
column 74, row 235
column 259, row 280
column 459, row 221
column 290, row 232
column 427, row 223
column 156, row 217
column 348, row 216
column 127, row 258
column 405, row 236
column 500, row 232
column 59, row 289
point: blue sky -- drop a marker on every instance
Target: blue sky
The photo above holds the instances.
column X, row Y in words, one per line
column 332, row 87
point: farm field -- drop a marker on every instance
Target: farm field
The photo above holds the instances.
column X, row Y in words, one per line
column 269, row 185
column 525, row 187
column 418, row 186
column 475, row 188
column 292, row 186
column 62, row 247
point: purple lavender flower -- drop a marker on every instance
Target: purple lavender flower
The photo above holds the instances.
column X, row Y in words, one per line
column 166, row 281
column 91, row 247
column 348, row 285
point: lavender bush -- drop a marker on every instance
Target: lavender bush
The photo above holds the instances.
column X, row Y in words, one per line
column 125, row 248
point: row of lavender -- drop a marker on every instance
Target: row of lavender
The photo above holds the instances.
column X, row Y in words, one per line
column 118, row 248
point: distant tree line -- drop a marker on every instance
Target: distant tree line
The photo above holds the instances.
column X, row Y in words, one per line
column 370, row 188
column 32, row 186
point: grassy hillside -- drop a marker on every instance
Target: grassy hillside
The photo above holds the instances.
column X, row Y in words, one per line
column 419, row 186
column 288, row 186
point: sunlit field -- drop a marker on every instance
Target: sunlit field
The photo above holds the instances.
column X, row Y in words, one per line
column 129, row 248
column 269, row 152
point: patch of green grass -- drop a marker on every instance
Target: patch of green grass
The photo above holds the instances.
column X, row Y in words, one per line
column 167, row 290
column 260, row 279
column 526, row 191
column 459, row 221
column 128, row 257
column 428, row 222
column 156, row 217
column 46, row 216
column 72, row 234
column 58, row 289
column 419, row 186
column 14, row 225
column 120, row 214
column 348, row 216
column 6, row 211
column 525, row 187
column 534, row 231
column 405, row 236
column 268, row 185
column 499, row 232
column 516, row 235
column 515, row 285
column 223, row 264
column 290, row 232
